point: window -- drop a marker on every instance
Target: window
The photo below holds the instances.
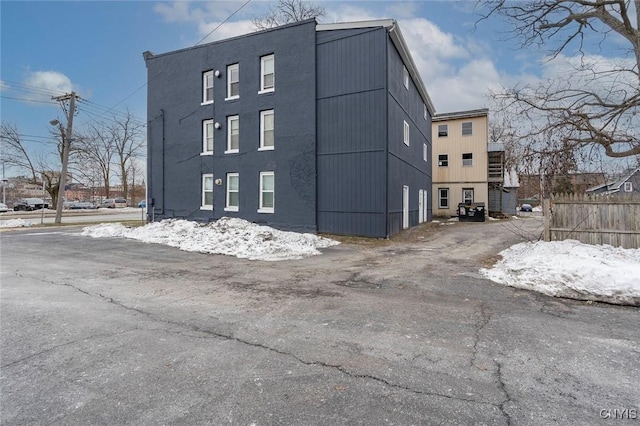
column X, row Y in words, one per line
column 233, row 81
column 405, row 77
column 207, row 192
column 628, row 186
column 207, row 87
column 467, row 159
column 266, row 192
column 467, row 128
column 406, row 133
column 467, row 195
column 267, row 74
column 233, row 134
column 233, row 197
column 424, row 152
column 424, row 111
column 443, row 160
column 443, row 198
column 443, row 130
column 207, row 137
column 266, row 130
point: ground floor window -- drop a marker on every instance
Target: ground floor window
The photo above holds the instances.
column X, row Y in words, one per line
column 267, row 192
column 443, row 198
column 207, row 192
column 233, row 186
column 467, row 195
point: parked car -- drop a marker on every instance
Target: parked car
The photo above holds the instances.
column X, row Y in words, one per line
column 83, row 205
column 29, row 204
column 3, row 208
column 142, row 204
column 112, row 203
column 526, row 208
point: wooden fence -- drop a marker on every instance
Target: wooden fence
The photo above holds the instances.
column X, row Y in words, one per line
column 613, row 219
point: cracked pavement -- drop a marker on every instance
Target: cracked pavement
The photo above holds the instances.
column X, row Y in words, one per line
column 398, row 332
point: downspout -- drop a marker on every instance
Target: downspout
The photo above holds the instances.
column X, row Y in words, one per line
column 163, row 162
column 386, row 132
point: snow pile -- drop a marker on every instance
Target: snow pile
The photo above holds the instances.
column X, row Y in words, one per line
column 229, row 236
column 571, row 269
column 14, row 223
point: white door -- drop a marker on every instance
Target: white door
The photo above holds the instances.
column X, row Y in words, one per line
column 405, row 206
column 420, row 205
column 425, row 205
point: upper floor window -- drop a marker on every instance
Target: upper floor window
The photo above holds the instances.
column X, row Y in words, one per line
column 443, row 160
column 267, row 192
column 207, row 87
column 425, row 151
column 467, row 159
column 233, row 81
column 233, row 197
column 233, row 134
column 207, row 192
column 443, row 130
column 405, row 77
column 424, row 111
column 267, row 73
column 266, row 130
column 406, row 133
column 207, row 137
column 628, row 186
column 467, row 128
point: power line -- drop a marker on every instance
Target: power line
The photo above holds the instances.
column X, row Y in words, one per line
column 27, row 100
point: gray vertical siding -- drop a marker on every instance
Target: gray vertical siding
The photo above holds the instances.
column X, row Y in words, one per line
column 175, row 129
column 351, row 132
column 406, row 163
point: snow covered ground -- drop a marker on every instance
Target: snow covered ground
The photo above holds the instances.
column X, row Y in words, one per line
column 15, row 223
column 229, row 236
column 571, row 269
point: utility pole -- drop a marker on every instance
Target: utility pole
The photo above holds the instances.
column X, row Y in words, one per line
column 66, row 146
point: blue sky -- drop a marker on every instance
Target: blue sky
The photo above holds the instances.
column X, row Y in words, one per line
column 95, row 48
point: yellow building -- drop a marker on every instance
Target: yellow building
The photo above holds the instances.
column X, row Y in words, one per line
column 466, row 168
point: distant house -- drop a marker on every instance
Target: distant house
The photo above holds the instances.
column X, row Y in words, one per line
column 307, row 127
column 466, row 167
column 535, row 187
column 625, row 185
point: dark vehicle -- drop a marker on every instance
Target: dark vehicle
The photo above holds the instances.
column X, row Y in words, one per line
column 29, row 204
column 526, row 208
column 83, row 205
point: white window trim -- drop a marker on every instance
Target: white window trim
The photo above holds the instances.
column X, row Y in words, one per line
column 425, row 152
column 267, row 209
column 424, row 109
column 204, row 137
column 628, row 187
column 405, row 77
column 204, row 87
column 446, row 126
column 229, row 150
column 262, row 115
column 406, row 137
column 204, row 206
column 269, row 89
column 472, row 194
column 440, row 198
column 463, row 159
column 440, row 161
column 227, row 207
column 229, row 68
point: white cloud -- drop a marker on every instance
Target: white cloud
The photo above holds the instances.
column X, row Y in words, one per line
column 228, row 30
column 402, row 9
column 42, row 85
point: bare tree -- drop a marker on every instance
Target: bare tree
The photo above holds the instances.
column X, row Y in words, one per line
column 96, row 150
column 127, row 135
column 286, row 12
column 595, row 103
column 40, row 168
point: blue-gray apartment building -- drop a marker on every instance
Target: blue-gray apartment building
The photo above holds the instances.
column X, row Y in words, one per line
column 306, row 127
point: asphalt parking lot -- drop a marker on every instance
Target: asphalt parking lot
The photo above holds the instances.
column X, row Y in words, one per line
column 398, row 332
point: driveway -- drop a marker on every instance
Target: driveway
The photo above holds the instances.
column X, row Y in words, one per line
column 405, row 331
